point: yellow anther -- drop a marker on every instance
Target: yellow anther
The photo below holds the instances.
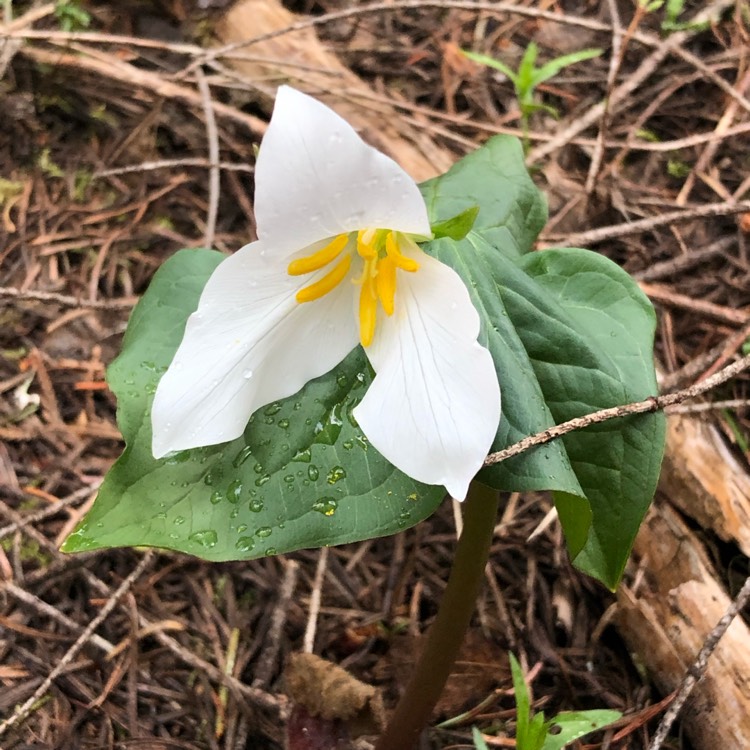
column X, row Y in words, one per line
column 318, row 259
column 368, row 311
column 330, row 281
column 385, row 284
column 401, row 261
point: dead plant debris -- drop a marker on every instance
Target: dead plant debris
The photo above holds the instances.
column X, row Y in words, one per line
column 104, row 173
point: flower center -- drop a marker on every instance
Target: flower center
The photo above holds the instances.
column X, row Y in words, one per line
column 382, row 257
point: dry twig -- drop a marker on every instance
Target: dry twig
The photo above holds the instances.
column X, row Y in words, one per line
column 594, row 236
column 652, row 404
column 113, row 600
column 698, row 668
column 213, row 157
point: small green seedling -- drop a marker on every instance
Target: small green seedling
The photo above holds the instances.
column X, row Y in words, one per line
column 534, row 733
column 672, row 11
column 528, row 77
column 71, row 16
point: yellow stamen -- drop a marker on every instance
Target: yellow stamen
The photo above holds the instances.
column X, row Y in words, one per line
column 385, row 284
column 330, row 281
column 365, row 245
column 401, row 261
column 368, row 307
column 318, row 259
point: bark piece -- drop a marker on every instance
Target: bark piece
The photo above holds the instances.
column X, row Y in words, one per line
column 321, row 73
column 667, row 620
column 704, row 480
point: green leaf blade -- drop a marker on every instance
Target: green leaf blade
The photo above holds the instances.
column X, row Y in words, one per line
column 570, row 333
column 491, row 62
column 553, row 67
column 572, row 725
column 299, row 476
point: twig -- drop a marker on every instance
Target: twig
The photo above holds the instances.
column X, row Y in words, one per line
column 312, row 619
column 673, row 266
column 593, row 236
column 725, row 122
column 623, row 92
column 666, row 296
column 707, row 363
column 23, row 711
column 260, row 698
column 654, row 403
column 54, row 614
column 123, row 303
column 126, row 73
column 267, row 659
column 615, row 60
column 213, row 156
column 395, row 5
column 34, row 15
column 734, row 403
column 148, row 166
column 699, row 666
column 50, row 510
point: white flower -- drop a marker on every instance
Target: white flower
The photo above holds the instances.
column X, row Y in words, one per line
column 336, row 264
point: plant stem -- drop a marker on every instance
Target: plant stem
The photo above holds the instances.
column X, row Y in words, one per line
column 447, row 632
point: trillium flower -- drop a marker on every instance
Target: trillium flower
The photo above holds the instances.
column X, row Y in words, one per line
column 336, row 264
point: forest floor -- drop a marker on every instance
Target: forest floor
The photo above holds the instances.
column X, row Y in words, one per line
column 104, row 167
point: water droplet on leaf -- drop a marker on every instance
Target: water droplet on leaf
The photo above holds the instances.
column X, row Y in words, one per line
column 326, row 505
column 245, row 544
column 336, row 474
column 234, row 491
column 206, row 538
column 242, row 456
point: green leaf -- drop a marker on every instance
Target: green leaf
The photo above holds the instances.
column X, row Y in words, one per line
column 512, row 211
column 492, row 63
column 537, row 732
column 553, row 67
column 569, row 726
column 479, row 742
column 570, row 333
column 303, row 475
column 523, row 704
column 458, row 227
column 525, row 82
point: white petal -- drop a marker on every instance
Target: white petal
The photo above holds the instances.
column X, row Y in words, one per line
column 315, row 178
column 248, row 344
column 434, row 405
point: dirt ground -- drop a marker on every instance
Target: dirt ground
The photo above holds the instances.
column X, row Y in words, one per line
column 104, row 173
